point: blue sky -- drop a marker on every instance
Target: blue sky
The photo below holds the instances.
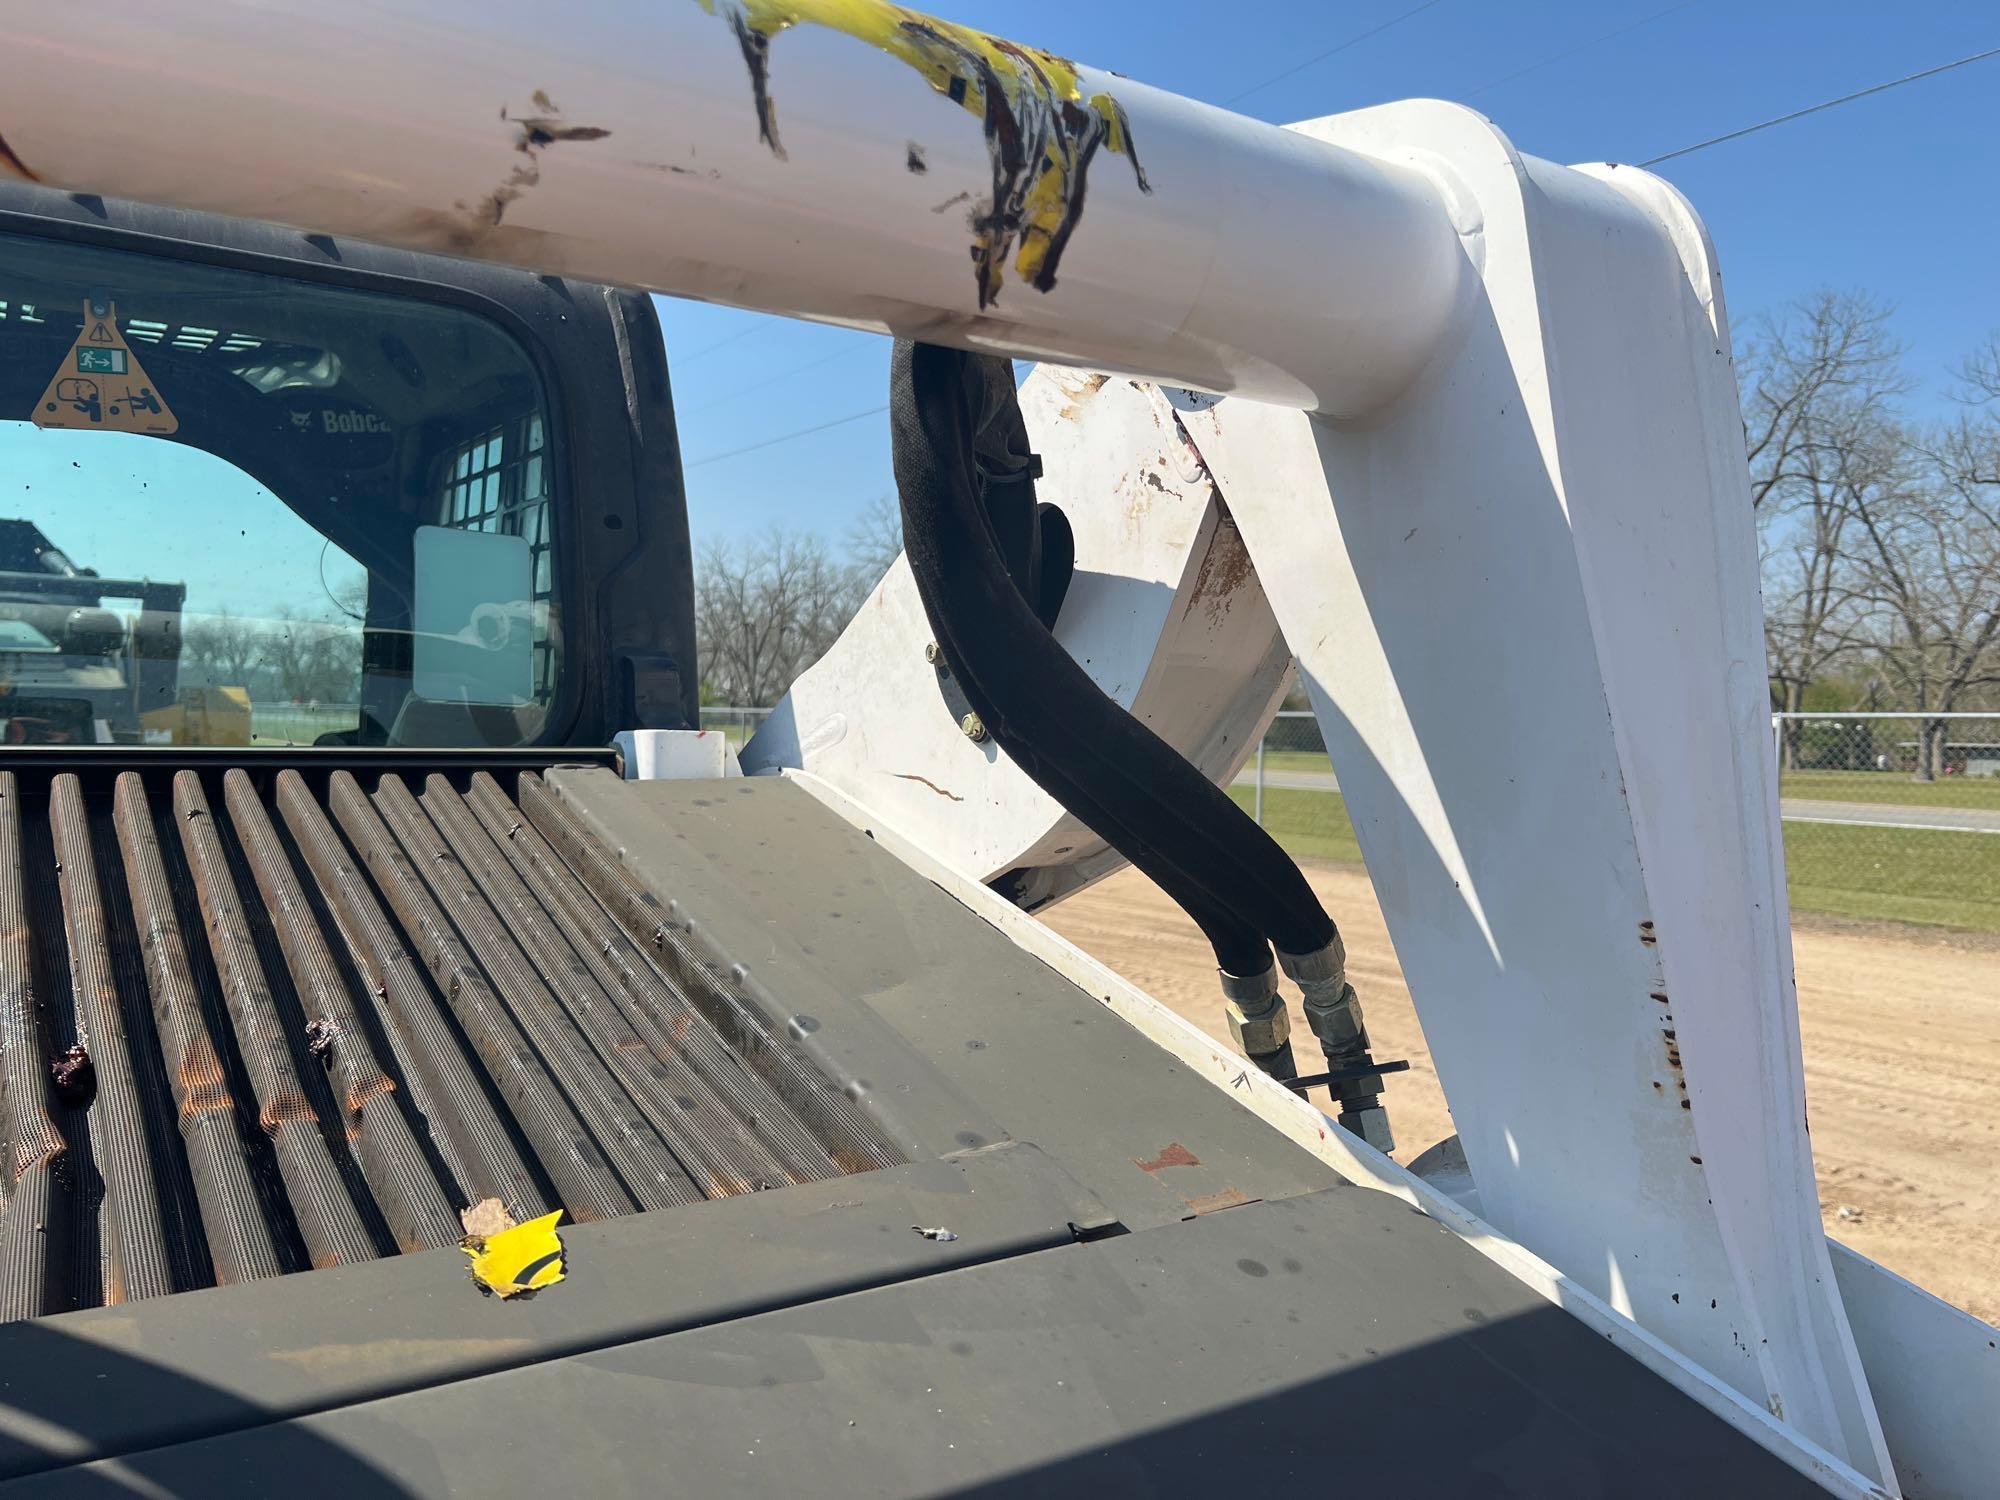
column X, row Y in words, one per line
column 1893, row 194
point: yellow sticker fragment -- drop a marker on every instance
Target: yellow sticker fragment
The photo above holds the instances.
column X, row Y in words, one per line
column 1041, row 133
column 100, row 385
column 525, row 1258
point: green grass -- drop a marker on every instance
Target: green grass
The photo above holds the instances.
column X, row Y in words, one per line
column 1310, row 825
column 1892, row 786
column 1937, row 877
column 1932, row 877
column 1290, row 760
column 1832, row 786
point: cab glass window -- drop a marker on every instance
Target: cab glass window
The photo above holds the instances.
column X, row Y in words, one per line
column 238, row 509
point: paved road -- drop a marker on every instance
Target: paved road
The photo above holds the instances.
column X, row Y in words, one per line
column 1795, row 809
column 1889, row 815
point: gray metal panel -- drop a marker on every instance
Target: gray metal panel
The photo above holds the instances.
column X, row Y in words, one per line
column 948, row 1022
column 116, row 1379
column 1334, row 1340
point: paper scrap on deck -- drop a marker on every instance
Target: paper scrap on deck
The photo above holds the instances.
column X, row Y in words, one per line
column 525, row 1258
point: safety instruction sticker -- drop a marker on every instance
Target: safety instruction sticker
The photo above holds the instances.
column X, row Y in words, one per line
column 101, row 386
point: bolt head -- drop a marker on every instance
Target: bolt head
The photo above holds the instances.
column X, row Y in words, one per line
column 1372, row 1125
column 933, row 653
column 974, row 727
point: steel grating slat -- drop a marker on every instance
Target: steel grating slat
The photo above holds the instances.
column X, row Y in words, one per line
column 857, row 1144
column 328, row 1220
column 705, row 1137
column 251, row 1024
column 583, row 1178
column 78, row 1212
column 133, row 1228
column 188, row 1259
column 649, row 1170
column 447, row 1088
column 419, row 1213
column 31, row 1248
column 663, row 1016
column 238, row 1239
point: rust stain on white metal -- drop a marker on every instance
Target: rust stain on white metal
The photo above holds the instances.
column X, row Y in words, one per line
column 1225, row 570
column 1079, row 392
column 925, row 780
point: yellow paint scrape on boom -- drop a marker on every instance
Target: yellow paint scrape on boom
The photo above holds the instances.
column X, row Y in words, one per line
column 1040, row 131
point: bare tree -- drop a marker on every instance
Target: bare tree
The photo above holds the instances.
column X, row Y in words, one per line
column 1979, row 374
column 1830, row 352
column 875, row 540
column 1819, row 384
column 315, row 660
column 766, row 610
column 1928, row 554
column 223, row 646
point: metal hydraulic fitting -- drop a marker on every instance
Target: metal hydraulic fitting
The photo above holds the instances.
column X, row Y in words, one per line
column 1258, row 1020
column 1334, row 1013
column 1332, row 1010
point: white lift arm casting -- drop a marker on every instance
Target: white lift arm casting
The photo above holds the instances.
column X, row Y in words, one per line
column 1479, row 468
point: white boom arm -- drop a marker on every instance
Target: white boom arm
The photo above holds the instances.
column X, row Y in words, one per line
column 1482, row 473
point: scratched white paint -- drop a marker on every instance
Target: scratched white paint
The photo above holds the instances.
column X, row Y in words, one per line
column 1163, row 613
column 1524, row 602
column 1534, row 531
column 384, row 121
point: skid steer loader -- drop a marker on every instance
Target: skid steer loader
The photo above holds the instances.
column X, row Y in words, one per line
column 477, row 1084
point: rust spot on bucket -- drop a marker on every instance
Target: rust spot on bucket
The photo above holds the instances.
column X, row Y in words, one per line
column 1225, row 569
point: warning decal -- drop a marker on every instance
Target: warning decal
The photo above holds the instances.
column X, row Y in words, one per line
column 101, row 386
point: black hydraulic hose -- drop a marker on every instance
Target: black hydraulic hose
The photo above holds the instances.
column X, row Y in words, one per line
column 952, row 431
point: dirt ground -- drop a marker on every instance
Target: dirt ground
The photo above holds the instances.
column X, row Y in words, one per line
column 1902, row 1047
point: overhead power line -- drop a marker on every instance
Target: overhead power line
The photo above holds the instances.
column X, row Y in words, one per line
column 1320, row 57
column 761, row 326
column 1813, row 109
column 844, row 352
column 1567, row 52
column 785, row 437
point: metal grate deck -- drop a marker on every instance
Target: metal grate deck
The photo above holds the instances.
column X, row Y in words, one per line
column 254, row 1025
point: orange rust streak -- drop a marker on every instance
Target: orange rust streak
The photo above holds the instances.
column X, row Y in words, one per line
column 286, row 1109
column 374, row 1088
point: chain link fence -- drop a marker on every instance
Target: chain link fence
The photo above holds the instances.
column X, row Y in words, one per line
column 738, row 724
column 300, row 723
column 1887, row 816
